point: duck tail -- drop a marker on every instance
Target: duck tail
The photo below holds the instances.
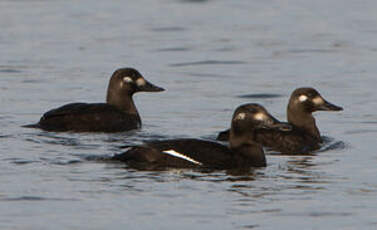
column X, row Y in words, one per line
column 36, row 125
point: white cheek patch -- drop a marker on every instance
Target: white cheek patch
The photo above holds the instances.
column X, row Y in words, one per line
column 140, row 82
column 127, row 79
column 173, row 153
column 302, row 98
column 260, row 116
column 318, row 101
column 240, row 116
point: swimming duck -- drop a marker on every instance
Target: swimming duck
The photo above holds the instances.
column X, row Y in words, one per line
column 118, row 114
column 304, row 136
column 243, row 150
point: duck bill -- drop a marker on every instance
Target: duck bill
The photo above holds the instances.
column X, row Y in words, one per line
column 327, row 106
column 149, row 87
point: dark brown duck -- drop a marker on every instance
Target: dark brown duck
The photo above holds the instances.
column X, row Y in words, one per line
column 118, row 114
column 243, row 150
column 304, row 136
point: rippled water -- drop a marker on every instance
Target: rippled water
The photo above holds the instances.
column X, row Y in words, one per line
column 210, row 56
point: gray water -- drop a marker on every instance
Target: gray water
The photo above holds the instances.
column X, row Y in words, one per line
column 211, row 56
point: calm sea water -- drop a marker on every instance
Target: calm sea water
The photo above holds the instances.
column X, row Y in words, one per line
column 210, row 56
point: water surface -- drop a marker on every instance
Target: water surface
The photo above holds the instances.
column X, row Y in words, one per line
column 211, row 56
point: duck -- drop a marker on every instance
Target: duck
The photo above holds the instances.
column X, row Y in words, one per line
column 304, row 137
column 118, row 114
column 243, row 150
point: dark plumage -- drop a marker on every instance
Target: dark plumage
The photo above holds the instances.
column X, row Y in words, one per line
column 119, row 113
column 304, row 136
column 242, row 152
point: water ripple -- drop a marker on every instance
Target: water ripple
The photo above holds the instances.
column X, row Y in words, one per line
column 194, row 1
column 207, row 62
column 209, row 75
column 19, row 161
column 36, row 198
column 311, row 50
column 317, row 214
column 330, row 143
column 260, row 95
column 168, row 29
column 173, row 49
column 10, row 71
column 361, row 131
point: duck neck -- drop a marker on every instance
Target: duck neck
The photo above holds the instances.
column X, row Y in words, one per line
column 123, row 102
column 251, row 152
column 305, row 121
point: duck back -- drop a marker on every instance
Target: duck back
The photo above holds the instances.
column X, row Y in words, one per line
column 295, row 141
column 180, row 153
column 84, row 117
column 292, row 142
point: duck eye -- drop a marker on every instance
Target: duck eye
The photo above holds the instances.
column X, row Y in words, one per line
column 302, row 98
column 127, row 79
column 140, row 82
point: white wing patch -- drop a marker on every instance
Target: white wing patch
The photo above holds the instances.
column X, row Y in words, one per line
column 173, row 153
column 140, row 82
column 302, row 98
column 318, row 100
